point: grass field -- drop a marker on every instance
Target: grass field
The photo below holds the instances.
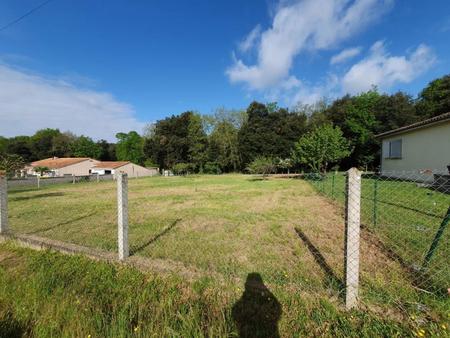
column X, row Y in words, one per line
column 229, row 236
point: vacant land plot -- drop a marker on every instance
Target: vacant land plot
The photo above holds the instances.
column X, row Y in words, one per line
column 219, row 232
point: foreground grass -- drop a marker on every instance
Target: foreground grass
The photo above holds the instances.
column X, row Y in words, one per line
column 46, row 294
column 218, row 231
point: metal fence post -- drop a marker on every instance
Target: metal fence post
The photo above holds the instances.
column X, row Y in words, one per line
column 122, row 212
column 3, row 204
column 352, row 228
column 436, row 239
column 375, row 198
column 332, row 184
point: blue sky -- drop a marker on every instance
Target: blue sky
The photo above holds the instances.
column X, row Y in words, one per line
column 99, row 67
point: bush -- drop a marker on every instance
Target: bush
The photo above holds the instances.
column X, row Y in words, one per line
column 182, row 168
column 212, row 168
column 262, row 165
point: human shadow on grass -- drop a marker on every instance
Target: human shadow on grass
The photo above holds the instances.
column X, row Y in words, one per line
column 320, row 259
column 257, row 312
column 48, row 194
column 141, row 247
column 11, row 328
column 60, row 224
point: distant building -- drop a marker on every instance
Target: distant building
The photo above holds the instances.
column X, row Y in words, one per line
column 418, row 150
column 113, row 167
column 77, row 166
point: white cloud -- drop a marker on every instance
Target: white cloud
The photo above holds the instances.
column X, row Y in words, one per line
column 383, row 70
column 250, row 40
column 345, row 55
column 307, row 25
column 29, row 102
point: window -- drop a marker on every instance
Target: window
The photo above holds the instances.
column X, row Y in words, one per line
column 393, row 149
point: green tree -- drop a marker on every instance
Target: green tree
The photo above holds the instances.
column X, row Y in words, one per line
column 270, row 134
column 224, row 147
column 11, row 164
column 42, row 143
column 3, row 145
column 321, row 147
column 85, row 147
column 21, row 146
column 130, row 147
column 197, row 142
column 107, row 151
column 62, row 144
column 177, row 139
column 434, row 99
column 356, row 117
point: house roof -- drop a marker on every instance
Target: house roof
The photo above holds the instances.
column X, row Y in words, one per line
column 110, row 164
column 57, row 162
column 425, row 123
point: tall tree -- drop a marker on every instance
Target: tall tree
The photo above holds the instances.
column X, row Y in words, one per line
column 356, row 117
column 42, row 143
column 224, row 147
column 197, row 142
column 130, row 147
column 270, row 134
column 21, row 145
column 62, row 144
column 85, row 147
column 434, row 99
column 107, row 151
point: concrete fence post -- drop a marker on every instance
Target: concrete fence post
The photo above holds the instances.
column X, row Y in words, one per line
column 73, row 179
column 122, row 212
column 98, row 177
column 38, row 180
column 3, row 204
column 352, row 229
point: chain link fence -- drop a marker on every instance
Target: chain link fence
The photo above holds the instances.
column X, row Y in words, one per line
column 405, row 216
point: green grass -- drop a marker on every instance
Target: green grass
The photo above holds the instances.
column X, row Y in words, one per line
column 216, row 230
column 46, row 294
column 405, row 217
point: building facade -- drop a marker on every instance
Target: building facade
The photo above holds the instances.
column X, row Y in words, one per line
column 418, row 150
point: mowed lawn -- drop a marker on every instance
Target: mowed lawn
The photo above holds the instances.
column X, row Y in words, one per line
column 215, row 232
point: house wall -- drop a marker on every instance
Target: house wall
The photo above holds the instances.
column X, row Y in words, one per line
column 77, row 169
column 422, row 149
column 134, row 170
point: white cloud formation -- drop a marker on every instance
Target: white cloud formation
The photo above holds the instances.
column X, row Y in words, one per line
column 300, row 26
column 383, row 70
column 345, row 55
column 250, row 40
column 29, row 102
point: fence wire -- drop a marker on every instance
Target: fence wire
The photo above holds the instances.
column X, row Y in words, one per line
column 406, row 215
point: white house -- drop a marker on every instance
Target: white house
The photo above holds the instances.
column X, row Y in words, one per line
column 133, row 170
column 418, row 150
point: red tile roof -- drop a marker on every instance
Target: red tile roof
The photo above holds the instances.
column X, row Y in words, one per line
column 56, row 162
column 110, row 164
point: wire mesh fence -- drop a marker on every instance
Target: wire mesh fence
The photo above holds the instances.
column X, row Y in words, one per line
column 406, row 215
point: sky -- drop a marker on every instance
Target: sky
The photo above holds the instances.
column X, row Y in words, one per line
column 101, row 67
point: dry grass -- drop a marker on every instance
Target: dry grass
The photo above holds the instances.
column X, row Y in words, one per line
column 225, row 226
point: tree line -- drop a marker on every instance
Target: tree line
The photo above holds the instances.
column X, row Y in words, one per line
column 318, row 136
